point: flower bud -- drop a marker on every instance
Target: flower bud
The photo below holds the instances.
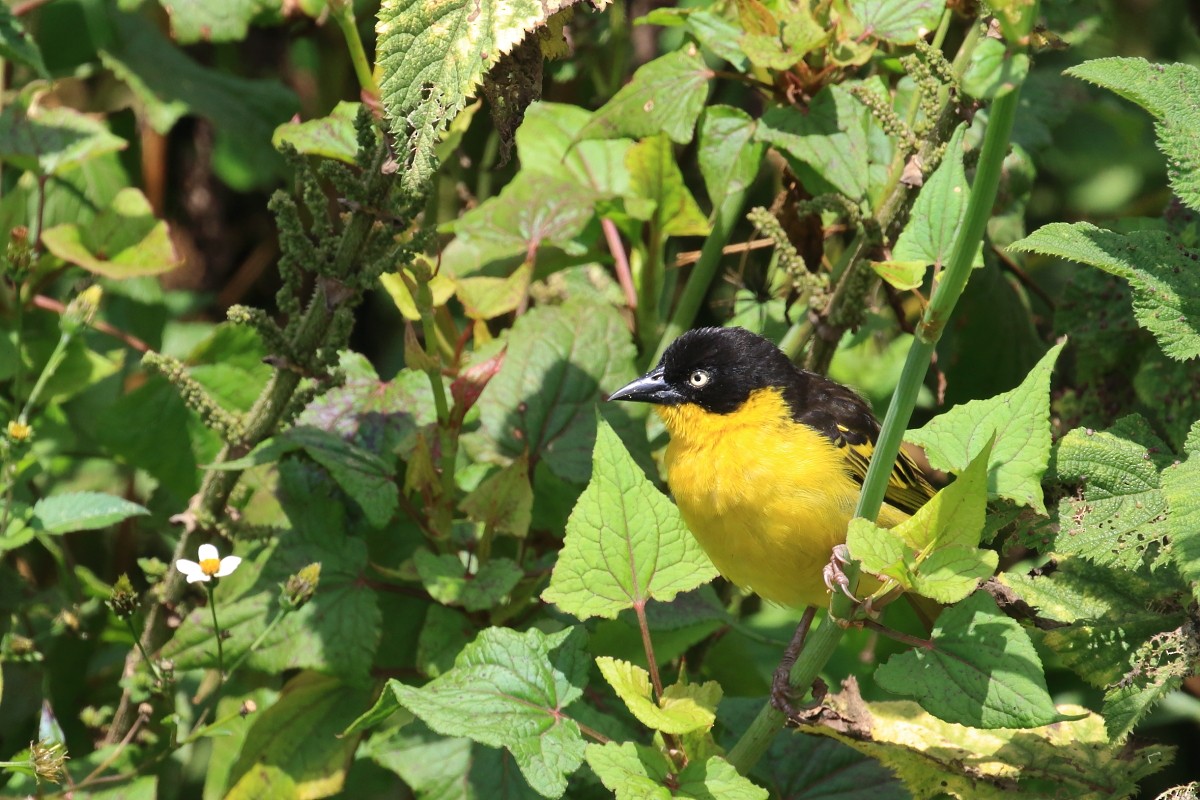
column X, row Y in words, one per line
column 300, row 588
column 49, row 760
column 124, row 600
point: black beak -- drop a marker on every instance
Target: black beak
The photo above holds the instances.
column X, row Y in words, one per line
column 650, row 388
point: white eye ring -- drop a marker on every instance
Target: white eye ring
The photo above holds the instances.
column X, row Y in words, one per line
column 699, row 379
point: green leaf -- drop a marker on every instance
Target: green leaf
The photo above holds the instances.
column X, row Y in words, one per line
column 438, row 768
column 450, row 583
column 338, row 631
column 212, row 20
column 82, row 511
column 1121, row 516
column 295, row 742
column 366, row 477
column 443, row 636
column 728, row 154
column 1158, row 267
column 655, row 176
column 125, row 240
column 1180, row 484
column 665, row 95
column 17, row 45
column 935, row 552
column 54, row 139
column 636, row 772
column 379, row 416
column 684, row 708
column 547, row 142
column 560, row 360
column 168, row 84
column 534, row 210
column 508, row 689
column 982, row 670
column 994, row 70
column 503, row 501
column 937, row 214
column 715, row 33
column 626, row 542
column 332, row 136
column 897, row 21
column 1159, row 667
column 903, row 275
column 826, row 143
column 1019, row 420
column 1170, row 93
column 433, row 56
column 795, row 33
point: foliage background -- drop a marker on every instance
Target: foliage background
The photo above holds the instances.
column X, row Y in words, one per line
column 197, row 91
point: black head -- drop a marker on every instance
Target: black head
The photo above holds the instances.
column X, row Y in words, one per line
column 715, row 368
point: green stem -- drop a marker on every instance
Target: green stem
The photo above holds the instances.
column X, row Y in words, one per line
column 145, row 656
column 824, row 641
column 262, row 637
column 342, row 12
column 52, row 364
column 448, row 438
column 701, row 277
column 212, row 606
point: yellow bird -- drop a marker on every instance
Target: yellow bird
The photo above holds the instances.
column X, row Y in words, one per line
column 766, row 460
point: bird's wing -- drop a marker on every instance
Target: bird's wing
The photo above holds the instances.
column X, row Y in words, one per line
column 846, row 419
column 907, row 488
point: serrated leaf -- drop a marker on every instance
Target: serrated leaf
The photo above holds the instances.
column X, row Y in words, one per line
column 17, row 45
column 626, row 542
column 508, row 689
column 433, row 56
column 82, row 511
column 897, row 21
column 994, row 70
column 793, row 32
column 636, row 772
column 1169, row 92
column 684, row 708
column 560, row 360
column 826, row 143
column 1159, row 667
column 655, row 176
column 982, row 670
column 935, row 758
column 332, row 136
column 125, row 240
column 295, row 741
column 1181, row 489
column 715, row 33
column 937, row 215
column 449, row 582
column 902, row 275
column 729, row 156
column 935, row 552
column 1019, row 420
column 1121, row 515
column 1159, row 268
column 53, row 139
column 665, row 95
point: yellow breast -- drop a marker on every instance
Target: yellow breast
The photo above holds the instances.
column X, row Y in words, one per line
column 767, row 499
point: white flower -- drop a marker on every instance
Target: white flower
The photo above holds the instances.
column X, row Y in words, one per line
column 211, row 565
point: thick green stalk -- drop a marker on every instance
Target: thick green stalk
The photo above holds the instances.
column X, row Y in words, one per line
column 824, row 640
column 696, row 287
column 342, row 12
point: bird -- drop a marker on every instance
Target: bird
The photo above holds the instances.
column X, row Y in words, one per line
column 765, row 462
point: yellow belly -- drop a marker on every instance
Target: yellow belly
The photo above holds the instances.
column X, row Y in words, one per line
column 766, row 498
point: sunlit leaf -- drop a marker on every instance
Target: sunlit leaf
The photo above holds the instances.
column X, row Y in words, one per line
column 125, row 240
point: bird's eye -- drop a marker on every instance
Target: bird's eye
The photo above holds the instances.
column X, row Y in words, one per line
column 699, row 379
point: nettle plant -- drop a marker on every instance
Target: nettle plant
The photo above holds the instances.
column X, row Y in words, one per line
column 468, row 577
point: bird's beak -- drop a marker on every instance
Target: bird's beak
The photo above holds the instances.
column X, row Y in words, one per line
column 650, row 388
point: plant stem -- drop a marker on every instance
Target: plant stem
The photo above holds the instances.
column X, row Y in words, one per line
column 342, row 12
column 145, row 656
column 823, row 642
column 212, row 606
column 52, row 364
column 696, row 287
column 262, row 637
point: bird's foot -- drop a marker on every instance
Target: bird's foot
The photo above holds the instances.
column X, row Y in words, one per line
column 784, row 697
column 836, row 581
